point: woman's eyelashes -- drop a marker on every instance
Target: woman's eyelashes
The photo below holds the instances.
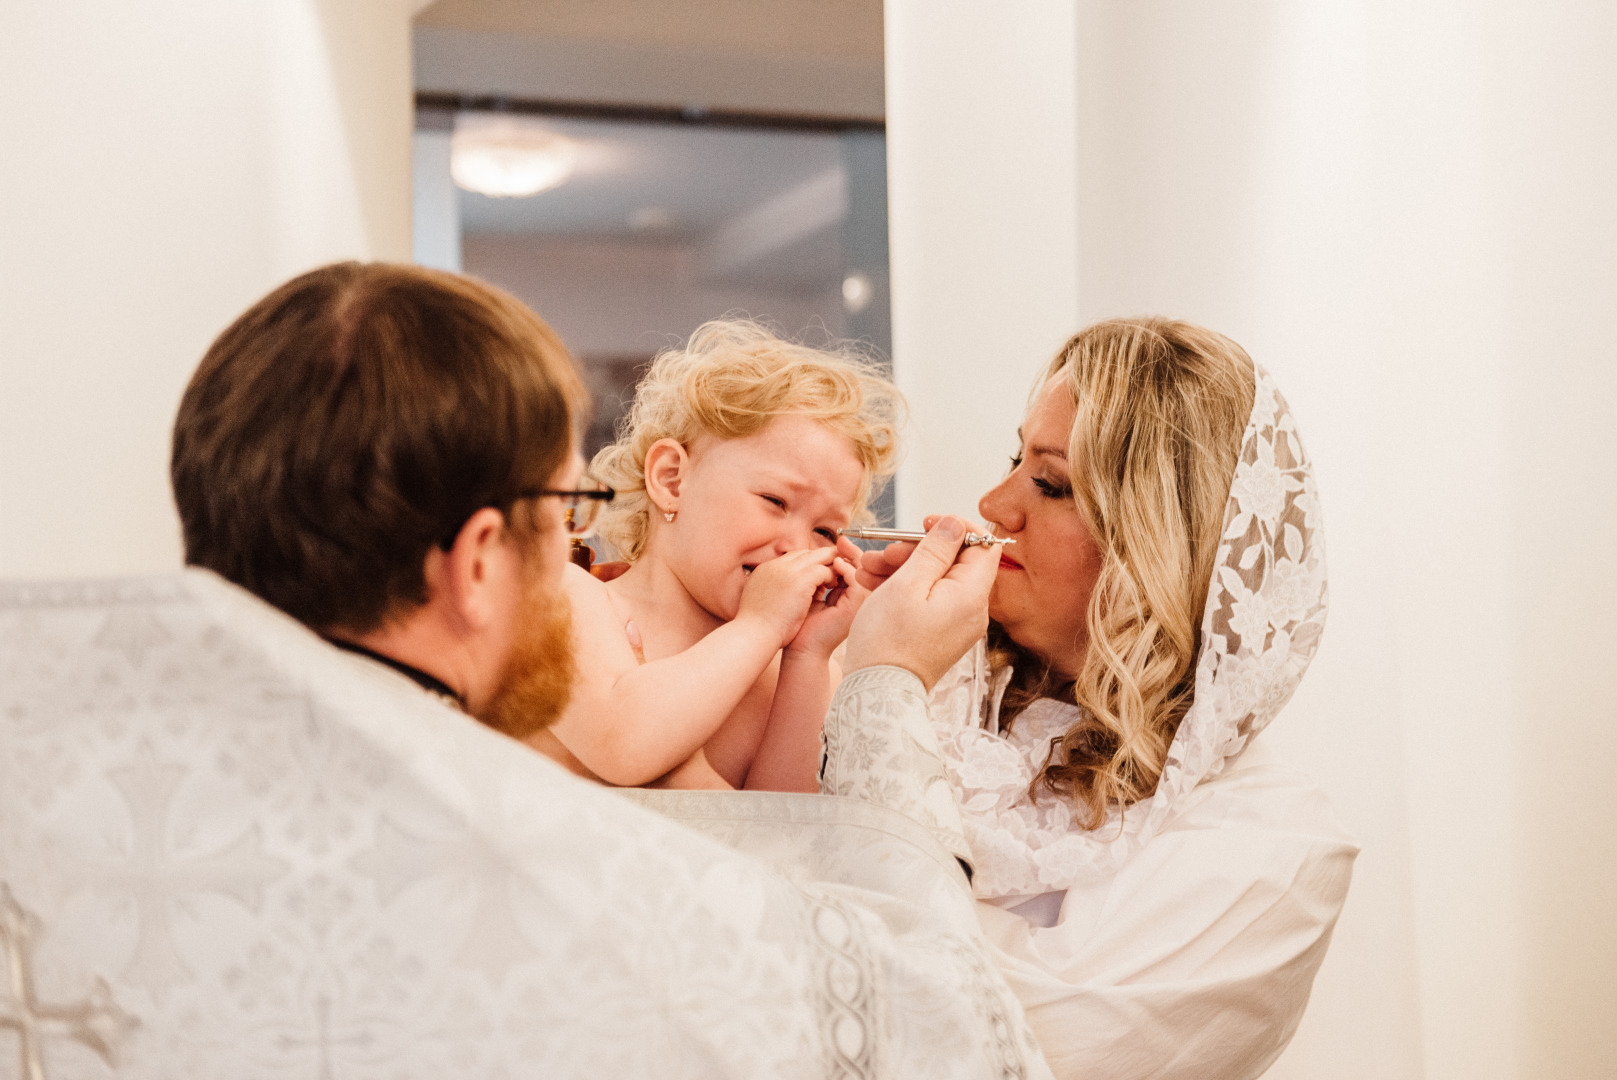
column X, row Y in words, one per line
column 1050, row 489
column 828, row 535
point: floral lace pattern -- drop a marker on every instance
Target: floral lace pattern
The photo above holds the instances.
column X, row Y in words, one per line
column 1261, row 626
column 879, row 749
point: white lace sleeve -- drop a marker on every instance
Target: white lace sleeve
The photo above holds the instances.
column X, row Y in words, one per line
column 1022, row 846
column 880, row 748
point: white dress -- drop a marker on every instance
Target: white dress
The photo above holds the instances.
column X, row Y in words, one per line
column 1179, row 939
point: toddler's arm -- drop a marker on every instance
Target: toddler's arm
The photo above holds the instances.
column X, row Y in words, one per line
column 694, row 773
column 631, row 723
column 788, row 757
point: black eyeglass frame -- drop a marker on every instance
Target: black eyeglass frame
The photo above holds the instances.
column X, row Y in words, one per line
column 604, row 494
column 571, row 498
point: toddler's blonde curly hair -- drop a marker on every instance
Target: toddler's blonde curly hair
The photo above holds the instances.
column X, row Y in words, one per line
column 729, row 380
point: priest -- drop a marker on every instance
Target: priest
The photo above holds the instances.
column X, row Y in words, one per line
column 265, row 817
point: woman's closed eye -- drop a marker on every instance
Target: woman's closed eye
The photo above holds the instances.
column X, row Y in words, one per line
column 1051, row 489
column 828, row 535
column 773, row 500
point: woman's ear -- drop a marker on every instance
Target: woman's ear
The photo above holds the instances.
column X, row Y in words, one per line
column 666, row 465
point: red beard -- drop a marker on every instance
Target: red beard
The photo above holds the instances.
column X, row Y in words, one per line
column 538, row 677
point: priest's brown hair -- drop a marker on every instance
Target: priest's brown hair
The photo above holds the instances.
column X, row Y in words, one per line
column 356, row 417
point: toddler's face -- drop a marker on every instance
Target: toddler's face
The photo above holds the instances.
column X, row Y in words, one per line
column 745, row 501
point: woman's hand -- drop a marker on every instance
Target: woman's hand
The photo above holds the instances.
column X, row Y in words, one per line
column 931, row 606
column 876, row 567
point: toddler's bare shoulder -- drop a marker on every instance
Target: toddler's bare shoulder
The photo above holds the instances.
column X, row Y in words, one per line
column 583, row 588
column 597, row 631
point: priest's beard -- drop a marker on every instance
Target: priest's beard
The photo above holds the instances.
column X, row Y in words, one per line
column 538, row 678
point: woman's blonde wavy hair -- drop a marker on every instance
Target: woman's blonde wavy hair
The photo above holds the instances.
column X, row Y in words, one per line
column 1162, row 408
column 729, row 380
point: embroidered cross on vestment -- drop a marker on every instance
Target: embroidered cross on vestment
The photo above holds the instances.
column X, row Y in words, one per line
column 96, row 1021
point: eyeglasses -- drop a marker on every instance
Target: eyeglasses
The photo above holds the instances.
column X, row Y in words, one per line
column 582, row 506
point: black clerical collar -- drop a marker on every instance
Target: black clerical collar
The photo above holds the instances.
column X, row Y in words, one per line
column 430, row 683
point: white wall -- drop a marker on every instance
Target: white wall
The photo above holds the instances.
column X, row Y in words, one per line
column 435, row 232
column 1404, row 211
column 981, row 160
column 808, row 57
column 1228, row 166
column 460, row 61
column 1550, row 85
column 161, row 166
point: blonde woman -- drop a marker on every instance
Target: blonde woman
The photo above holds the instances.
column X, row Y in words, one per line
column 708, row 663
column 1161, row 891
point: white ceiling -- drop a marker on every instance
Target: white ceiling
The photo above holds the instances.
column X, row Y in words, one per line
column 844, row 28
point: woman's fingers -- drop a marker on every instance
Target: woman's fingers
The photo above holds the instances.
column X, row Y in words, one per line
column 848, row 550
column 897, row 553
column 941, row 546
column 873, row 570
column 933, row 609
column 881, row 564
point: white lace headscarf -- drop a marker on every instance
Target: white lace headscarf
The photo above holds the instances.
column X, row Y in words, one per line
column 1261, row 626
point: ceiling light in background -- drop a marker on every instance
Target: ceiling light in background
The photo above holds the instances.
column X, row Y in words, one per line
column 508, row 156
column 653, row 219
column 857, row 291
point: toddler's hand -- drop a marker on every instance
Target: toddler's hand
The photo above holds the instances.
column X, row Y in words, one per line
column 827, row 623
column 780, row 592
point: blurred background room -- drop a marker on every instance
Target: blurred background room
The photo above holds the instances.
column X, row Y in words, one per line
column 1403, row 210
column 633, row 170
